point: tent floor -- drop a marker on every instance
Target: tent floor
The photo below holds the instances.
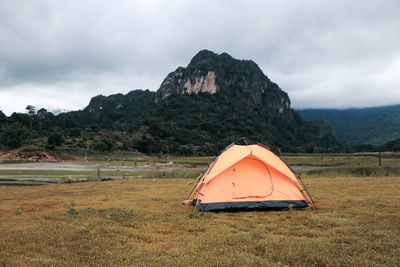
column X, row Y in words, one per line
column 250, row 205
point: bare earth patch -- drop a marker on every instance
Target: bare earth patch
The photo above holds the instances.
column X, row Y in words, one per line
column 19, row 155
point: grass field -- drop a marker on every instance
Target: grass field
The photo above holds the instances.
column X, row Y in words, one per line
column 134, row 166
column 141, row 222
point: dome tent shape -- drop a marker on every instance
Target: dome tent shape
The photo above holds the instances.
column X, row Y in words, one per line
column 247, row 177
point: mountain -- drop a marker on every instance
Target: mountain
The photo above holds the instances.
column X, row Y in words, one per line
column 215, row 100
column 210, row 73
column 375, row 125
column 198, row 109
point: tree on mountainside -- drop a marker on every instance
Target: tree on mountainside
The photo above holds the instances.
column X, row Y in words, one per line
column 3, row 117
column 31, row 110
column 55, row 139
column 393, row 145
column 12, row 135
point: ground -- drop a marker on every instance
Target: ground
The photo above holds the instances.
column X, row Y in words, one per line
column 141, row 222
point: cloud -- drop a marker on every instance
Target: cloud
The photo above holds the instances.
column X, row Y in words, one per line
column 324, row 54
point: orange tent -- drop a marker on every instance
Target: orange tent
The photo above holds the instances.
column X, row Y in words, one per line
column 246, row 177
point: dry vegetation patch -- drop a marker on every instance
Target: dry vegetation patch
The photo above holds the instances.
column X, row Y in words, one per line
column 141, row 222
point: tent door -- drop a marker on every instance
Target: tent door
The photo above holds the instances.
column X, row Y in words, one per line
column 251, row 178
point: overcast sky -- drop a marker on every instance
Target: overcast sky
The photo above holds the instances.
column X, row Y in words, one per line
column 325, row 54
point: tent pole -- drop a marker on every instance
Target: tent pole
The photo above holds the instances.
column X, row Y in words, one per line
column 302, row 183
column 244, row 139
column 196, row 185
column 192, row 191
column 308, row 194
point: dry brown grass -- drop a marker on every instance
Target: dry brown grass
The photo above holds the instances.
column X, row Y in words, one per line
column 142, row 223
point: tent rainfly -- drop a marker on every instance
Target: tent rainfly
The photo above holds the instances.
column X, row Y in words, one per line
column 248, row 177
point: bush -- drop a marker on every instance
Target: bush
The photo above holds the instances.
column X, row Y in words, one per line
column 55, row 139
column 12, row 135
column 75, row 132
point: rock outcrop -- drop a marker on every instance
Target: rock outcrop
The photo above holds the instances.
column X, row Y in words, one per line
column 178, row 82
column 209, row 72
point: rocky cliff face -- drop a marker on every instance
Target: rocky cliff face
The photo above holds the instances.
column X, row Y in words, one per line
column 211, row 73
column 100, row 102
column 119, row 101
column 179, row 82
column 133, row 103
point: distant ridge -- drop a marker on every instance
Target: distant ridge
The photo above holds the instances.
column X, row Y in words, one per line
column 374, row 125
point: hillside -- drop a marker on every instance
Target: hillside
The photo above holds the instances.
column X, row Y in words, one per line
column 364, row 125
column 198, row 109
